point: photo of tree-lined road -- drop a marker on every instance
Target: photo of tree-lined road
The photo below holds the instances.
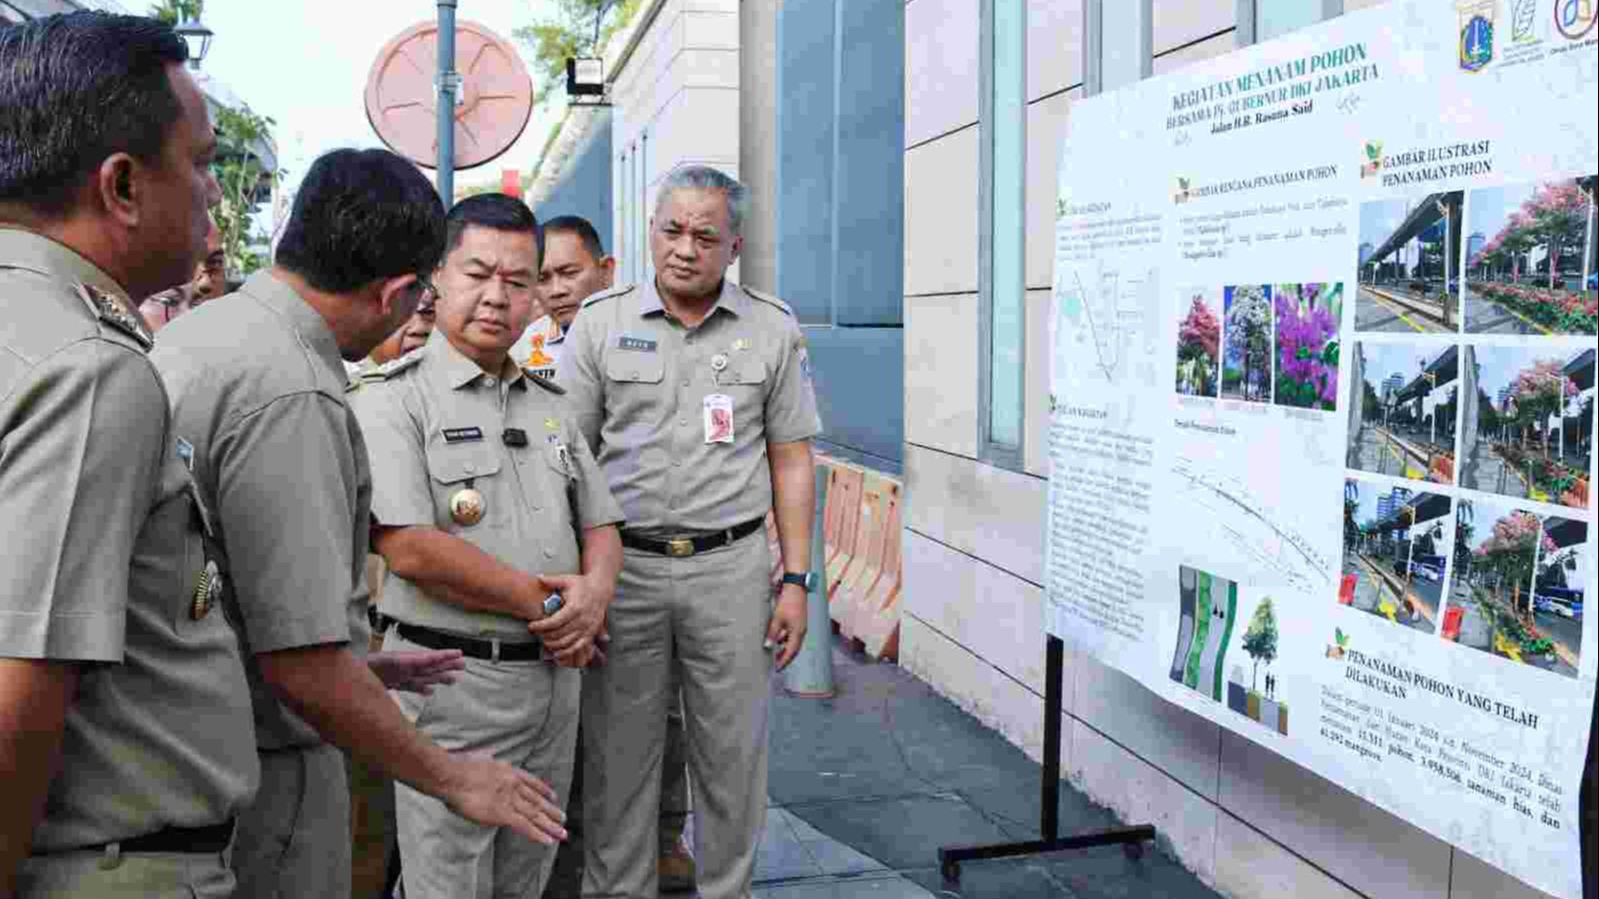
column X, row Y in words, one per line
column 1409, row 253
column 1396, row 553
column 1531, row 258
column 1518, row 585
column 1529, row 424
column 1407, row 397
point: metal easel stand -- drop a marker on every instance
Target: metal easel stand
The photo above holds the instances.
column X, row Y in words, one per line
column 1131, row 839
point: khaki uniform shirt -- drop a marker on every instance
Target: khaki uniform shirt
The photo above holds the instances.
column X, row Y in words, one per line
column 104, row 556
column 539, row 348
column 258, row 387
column 436, row 425
column 637, row 382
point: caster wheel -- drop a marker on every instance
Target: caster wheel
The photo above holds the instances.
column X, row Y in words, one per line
column 1133, row 851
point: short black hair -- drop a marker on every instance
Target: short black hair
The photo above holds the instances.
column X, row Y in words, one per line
column 502, row 212
column 362, row 215
column 76, row 88
column 583, row 228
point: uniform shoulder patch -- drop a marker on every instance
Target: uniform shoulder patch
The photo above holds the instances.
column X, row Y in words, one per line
column 392, row 368
column 113, row 312
column 603, row 295
column 544, row 382
column 768, row 299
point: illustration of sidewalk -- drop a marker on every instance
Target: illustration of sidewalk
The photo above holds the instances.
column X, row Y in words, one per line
column 1419, row 313
column 1383, row 452
column 1379, row 594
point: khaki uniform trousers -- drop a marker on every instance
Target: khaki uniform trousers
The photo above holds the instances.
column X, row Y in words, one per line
column 704, row 616
column 104, row 875
column 294, row 840
column 522, row 713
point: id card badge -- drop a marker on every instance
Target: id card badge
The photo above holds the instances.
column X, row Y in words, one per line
column 718, row 418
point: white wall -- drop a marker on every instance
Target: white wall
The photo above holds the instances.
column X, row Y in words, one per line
column 677, row 95
column 1247, row 822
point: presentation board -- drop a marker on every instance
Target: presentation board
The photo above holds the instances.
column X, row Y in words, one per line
column 1322, row 407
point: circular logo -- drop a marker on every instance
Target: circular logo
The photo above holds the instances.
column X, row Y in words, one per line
column 466, row 507
column 1575, row 18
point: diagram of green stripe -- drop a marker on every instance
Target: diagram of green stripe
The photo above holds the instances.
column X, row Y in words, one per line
column 1208, row 603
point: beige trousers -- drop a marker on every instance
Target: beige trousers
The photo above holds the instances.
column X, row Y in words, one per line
column 522, row 713
column 293, row 842
column 705, row 616
column 73, row 875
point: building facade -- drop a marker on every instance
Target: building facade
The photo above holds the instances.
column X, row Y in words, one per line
column 903, row 158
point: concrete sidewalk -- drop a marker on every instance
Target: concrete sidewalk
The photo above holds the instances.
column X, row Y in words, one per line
column 867, row 786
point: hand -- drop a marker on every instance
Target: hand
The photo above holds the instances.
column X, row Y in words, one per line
column 416, row 672
column 581, row 616
column 787, row 627
column 495, row 794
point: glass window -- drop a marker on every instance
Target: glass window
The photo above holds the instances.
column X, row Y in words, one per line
column 1278, row 17
column 1004, row 136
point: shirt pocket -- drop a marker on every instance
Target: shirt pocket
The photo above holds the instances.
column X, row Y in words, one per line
column 635, row 367
column 454, row 467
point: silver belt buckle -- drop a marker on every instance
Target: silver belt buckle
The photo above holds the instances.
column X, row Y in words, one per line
column 494, row 649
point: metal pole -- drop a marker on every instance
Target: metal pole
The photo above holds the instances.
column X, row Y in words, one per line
column 811, row 673
column 446, row 111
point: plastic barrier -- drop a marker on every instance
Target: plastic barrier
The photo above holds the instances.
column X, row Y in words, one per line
column 848, row 602
column 1346, row 590
column 1453, row 617
column 844, row 500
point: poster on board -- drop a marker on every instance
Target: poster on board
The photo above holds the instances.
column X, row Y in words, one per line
column 1322, row 393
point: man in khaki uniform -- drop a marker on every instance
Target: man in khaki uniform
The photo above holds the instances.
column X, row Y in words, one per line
column 209, row 277
column 374, row 853
column 125, row 734
column 696, row 394
column 280, row 458
column 481, row 488
column 575, row 268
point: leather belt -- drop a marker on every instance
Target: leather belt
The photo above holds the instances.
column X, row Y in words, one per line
column 493, row 650
column 197, row 840
column 688, row 546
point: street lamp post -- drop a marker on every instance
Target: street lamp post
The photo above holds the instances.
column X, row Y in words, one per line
column 197, row 37
column 446, row 106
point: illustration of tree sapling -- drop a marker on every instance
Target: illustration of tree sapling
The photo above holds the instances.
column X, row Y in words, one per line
column 1260, row 640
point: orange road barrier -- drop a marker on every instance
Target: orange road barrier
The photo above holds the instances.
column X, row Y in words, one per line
column 843, row 500
column 879, row 631
column 1346, row 590
column 848, row 601
column 1452, row 620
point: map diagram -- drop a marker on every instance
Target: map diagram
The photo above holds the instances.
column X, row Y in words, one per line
column 1112, row 319
column 1247, row 525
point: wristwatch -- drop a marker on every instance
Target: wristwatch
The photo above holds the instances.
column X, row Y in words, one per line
column 806, row 581
column 553, row 604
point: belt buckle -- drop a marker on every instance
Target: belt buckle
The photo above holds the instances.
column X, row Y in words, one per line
column 680, row 547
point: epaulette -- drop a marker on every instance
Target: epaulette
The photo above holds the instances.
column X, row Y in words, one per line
column 391, row 368
column 624, row 290
column 768, row 299
column 544, row 382
column 110, row 310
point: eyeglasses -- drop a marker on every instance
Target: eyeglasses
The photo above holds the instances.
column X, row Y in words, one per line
column 425, row 294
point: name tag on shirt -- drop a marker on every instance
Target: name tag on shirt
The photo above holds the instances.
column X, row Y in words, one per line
column 718, row 418
column 462, row 435
column 638, row 344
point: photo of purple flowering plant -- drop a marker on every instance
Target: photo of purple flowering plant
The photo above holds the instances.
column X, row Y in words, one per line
column 1308, row 318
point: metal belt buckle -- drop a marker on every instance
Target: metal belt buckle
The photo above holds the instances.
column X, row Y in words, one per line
column 680, row 547
column 494, row 649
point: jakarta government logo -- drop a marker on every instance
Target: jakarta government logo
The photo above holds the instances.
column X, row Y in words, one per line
column 1476, row 34
column 1575, row 18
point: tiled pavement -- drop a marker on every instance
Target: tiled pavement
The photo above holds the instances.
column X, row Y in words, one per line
column 867, row 786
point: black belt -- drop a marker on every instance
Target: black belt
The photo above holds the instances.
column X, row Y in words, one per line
column 493, row 650
column 197, row 840
column 688, row 546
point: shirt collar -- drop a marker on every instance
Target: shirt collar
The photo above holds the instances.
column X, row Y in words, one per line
column 455, row 370
column 21, row 248
column 308, row 324
column 732, row 299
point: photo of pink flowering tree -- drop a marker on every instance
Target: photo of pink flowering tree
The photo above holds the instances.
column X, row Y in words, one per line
column 1308, row 319
column 1530, row 258
column 1198, row 342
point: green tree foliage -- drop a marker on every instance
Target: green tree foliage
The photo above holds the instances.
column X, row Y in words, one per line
column 1260, row 639
column 568, row 30
column 245, row 181
column 176, row 12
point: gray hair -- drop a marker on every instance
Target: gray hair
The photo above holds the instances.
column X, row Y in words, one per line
column 703, row 177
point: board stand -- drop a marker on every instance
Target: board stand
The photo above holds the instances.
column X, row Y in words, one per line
column 1131, row 839
column 1588, row 811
